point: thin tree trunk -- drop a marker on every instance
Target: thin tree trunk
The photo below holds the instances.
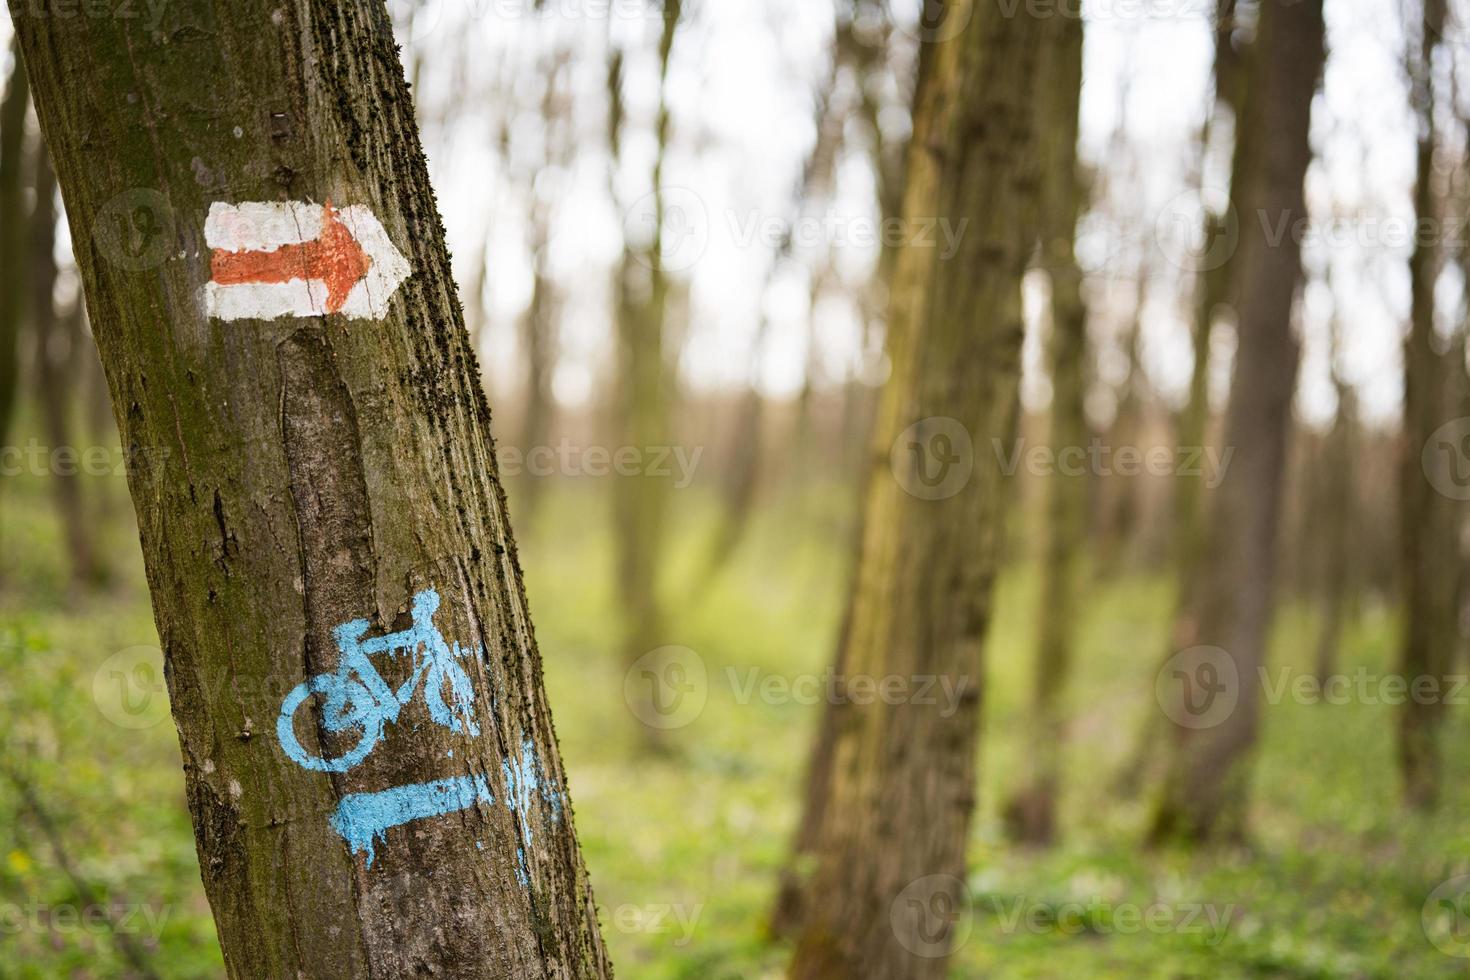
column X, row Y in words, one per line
column 540, row 336
column 1234, row 71
column 1339, row 497
column 1031, row 813
column 904, row 768
column 1205, row 787
column 305, row 484
column 12, row 232
column 641, row 501
column 54, row 384
column 1428, row 540
column 1214, row 284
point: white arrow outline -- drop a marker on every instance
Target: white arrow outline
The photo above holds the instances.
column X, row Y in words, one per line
column 264, row 226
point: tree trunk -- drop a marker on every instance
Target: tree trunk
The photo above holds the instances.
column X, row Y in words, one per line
column 540, row 336
column 644, row 383
column 1339, row 504
column 55, row 385
column 1215, row 288
column 1205, row 786
column 1428, row 541
column 304, row 484
column 1214, row 283
column 903, row 780
column 12, row 232
column 1031, row 813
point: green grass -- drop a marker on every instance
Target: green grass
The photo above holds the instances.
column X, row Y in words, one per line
column 1333, row 885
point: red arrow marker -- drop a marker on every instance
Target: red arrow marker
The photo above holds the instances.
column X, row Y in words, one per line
column 335, row 258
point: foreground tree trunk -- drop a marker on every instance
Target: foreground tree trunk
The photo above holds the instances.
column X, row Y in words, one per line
column 308, row 482
column 890, row 858
column 1031, row 813
column 1230, row 602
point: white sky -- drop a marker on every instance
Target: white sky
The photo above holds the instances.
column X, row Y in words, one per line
column 740, row 88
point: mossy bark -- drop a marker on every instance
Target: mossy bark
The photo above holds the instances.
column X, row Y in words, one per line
column 903, row 779
column 293, row 474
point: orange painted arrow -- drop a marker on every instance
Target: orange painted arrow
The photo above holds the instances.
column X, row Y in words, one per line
column 335, row 257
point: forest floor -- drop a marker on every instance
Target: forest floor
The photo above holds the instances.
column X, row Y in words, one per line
column 685, row 843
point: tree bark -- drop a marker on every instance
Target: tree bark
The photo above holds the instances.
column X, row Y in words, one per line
column 903, row 779
column 1031, row 813
column 1428, row 532
column 1205, row 786
column 306, row 480
column 12, row 232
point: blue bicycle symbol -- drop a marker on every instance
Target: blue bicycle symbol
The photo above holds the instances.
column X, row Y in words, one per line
column 356, row 695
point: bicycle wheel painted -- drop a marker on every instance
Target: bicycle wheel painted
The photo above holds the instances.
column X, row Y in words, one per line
column 347, row 704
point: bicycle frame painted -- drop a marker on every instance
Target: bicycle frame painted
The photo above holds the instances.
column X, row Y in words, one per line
column 357, row 696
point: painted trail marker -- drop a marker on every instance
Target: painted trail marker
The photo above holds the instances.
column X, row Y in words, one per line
column 291, row 258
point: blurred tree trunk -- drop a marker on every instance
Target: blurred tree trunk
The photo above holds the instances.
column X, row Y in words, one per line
column 1214, row 286
column 1206, row 787
column 642, row 298
column 903, row 780
column 539, row 325
column 540, row 337
column 1120, row 493
column 1428, row 532
column 56, row 341
column 1031, row 813
column 12, row 232
column 1338, row 506
column 299, row 474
